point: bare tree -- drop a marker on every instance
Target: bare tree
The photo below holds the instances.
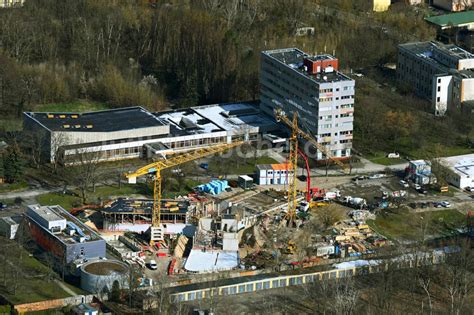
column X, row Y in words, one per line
column 230, row 10
column 347, row 296
column 57, row 141
column 85, row 171
column 34, row 144
column 456, row 277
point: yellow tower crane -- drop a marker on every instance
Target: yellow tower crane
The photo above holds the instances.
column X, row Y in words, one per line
column 156, row 230
column 296, row 133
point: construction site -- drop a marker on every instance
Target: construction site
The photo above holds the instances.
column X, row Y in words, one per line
column 296, row 215
column 270, row 219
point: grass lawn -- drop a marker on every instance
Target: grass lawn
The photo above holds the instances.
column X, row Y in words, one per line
column 401, row 224
column 32, row 282
column 219, row 166
column 11, row 124
column 383, row 160
column 65, row 201
column 75, row 106
column 13, row 187
column 188, row 186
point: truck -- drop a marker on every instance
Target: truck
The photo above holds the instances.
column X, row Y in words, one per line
column 332, row 195
column 355, row 201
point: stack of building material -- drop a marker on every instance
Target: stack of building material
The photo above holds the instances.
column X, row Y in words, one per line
column 353, row 232
column 214, row 187
column 359, row 247
column 180, row 246
column 365, row 230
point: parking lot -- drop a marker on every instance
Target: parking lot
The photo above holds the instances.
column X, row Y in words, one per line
column 374, row 188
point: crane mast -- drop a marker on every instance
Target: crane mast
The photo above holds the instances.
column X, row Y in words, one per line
column 293, row 159
column 155, row 169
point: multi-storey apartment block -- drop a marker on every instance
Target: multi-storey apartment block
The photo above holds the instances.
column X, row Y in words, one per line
column 441, row 73
column 312, row 86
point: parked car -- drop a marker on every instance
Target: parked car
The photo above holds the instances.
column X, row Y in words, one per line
column 3, row 205
column 377, row 176
column 404, row 183
column 416, row 186
column 393, row 155
column 437, row 204
column 445, row 204
column 152, row 265
column 470, row 188
column 422, row 191
column 361, row 177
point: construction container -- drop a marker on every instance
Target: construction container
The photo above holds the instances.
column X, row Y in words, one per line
column 245, row 181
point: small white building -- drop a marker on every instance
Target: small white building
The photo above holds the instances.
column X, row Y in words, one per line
column 9, row 226
column 462, row 170
column 273, row 174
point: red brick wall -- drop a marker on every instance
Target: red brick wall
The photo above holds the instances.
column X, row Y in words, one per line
column 322, row 64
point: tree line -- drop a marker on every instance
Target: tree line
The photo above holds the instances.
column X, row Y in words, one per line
column 181, row 52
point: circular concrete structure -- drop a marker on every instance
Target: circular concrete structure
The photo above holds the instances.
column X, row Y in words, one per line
column 99, row 276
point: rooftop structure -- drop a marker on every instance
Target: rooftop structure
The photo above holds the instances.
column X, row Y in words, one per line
column 462, row 170
column 61, row 224
column 236, row 118
column 189, row 122
column 459, row 19
column 303, row 63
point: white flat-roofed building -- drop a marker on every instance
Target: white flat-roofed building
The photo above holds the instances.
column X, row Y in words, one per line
column 134, row 132
column 443, row 74
column 273, row 174
column 9, row 226
column 462, row 170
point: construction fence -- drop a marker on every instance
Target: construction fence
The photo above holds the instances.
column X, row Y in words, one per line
column 291, row 280
column 52, row 304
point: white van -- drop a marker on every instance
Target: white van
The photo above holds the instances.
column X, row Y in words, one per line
column 152, row 265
